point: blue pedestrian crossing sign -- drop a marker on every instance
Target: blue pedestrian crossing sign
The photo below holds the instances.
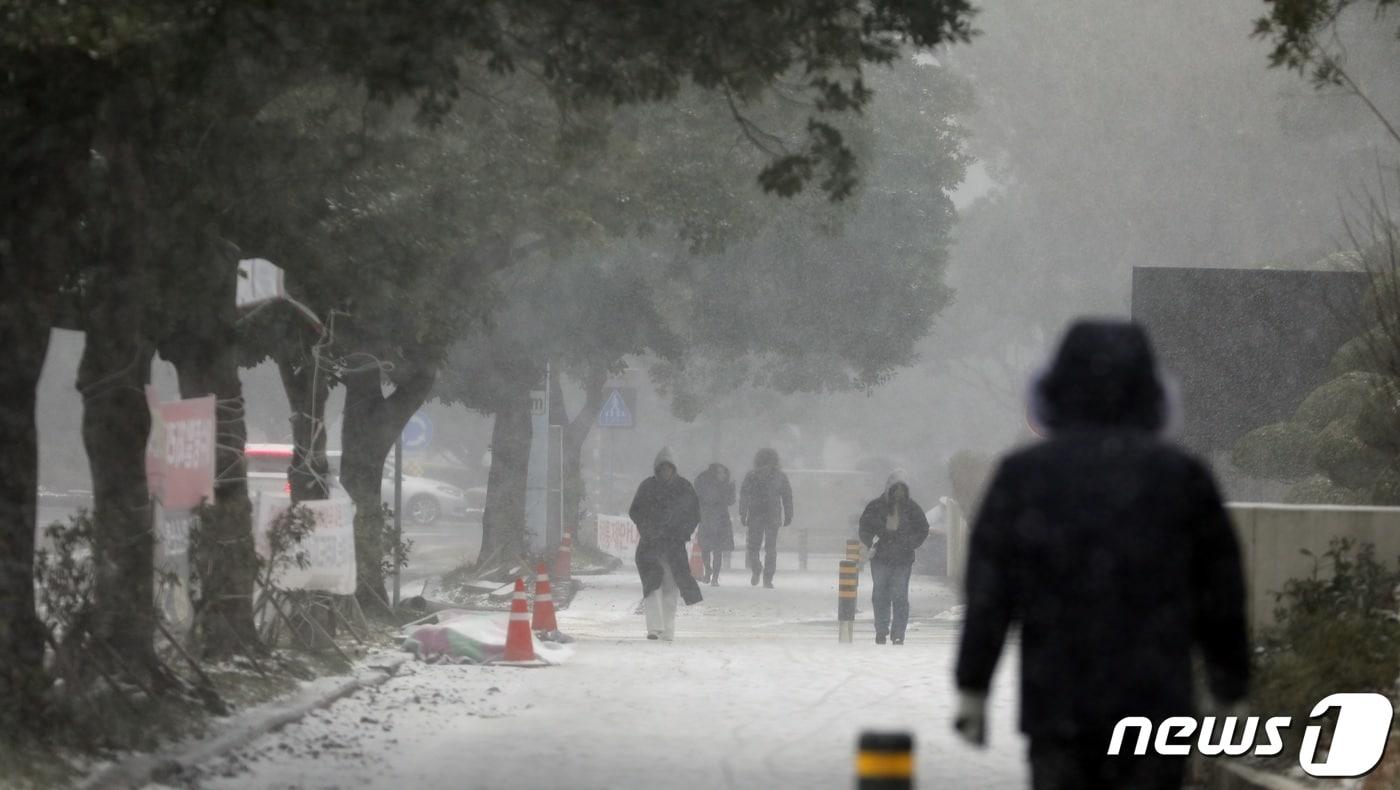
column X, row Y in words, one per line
column 619, row 408
column 418, row 433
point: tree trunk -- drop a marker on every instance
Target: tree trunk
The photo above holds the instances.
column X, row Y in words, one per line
column 112, row 376
column 503, row 521
column 227, row 583
column 372, row 423
column 308, row 387
column 21, row 634
column 576, row 432
column 204, row 351
column 115, row 368
column 46, row 173
column 306, row 382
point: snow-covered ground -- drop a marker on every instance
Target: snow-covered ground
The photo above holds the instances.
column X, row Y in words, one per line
column 755, row 692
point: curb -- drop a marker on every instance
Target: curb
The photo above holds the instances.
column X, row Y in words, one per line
column 137, row 771
column 1233, row 776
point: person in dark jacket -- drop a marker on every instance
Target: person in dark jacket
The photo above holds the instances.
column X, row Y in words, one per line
column 716, row 492
column 893, row 526
column 1113, row 551
column 666, row 512
column 765, row 506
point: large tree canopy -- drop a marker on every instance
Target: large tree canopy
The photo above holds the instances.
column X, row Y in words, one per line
column 141, row 141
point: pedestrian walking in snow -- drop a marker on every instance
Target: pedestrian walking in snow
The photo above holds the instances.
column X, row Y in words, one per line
column 715, row 489
column 893, row 526
column 765, row 506
column 1112, row 550
column 666, row 512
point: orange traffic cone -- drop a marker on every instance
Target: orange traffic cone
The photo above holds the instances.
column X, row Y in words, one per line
column 564, row 560
column 697, row 565
column 543, row 621
column 520, row 645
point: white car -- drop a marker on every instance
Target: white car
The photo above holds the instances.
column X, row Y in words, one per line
column 425, row 501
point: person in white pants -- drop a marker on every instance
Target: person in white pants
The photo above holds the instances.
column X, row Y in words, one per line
column 666, row 512
column 661, row 607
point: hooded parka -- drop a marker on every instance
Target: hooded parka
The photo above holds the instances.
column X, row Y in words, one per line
column 894, row 547
column 765, row 500
column 666, row 513
column 1112, row 550
column 715, row 488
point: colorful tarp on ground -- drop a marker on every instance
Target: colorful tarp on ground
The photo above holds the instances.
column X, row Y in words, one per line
column 460, row 636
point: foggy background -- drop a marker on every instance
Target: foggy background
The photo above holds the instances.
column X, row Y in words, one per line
column 1106, row 135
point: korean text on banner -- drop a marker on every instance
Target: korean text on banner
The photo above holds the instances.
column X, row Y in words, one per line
column 617, row 535
column 329, row 550
column 180, row 452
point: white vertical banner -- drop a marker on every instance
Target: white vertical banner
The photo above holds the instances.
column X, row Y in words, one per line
column 329, row 551
column 537, row 478
column 172, row 564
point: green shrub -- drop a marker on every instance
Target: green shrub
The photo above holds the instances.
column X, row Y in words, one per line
column 1336, row 630
column 1342, row 398
column 1346, row 459
column 1320, row 490
column 1369, row 352
column 1386, row 491
column 1378, row 424
column 64, row 575
column 1281, row 451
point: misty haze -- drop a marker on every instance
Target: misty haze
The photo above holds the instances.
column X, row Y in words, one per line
column 811, row 394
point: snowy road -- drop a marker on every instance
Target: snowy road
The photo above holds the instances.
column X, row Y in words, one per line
column 755, row 693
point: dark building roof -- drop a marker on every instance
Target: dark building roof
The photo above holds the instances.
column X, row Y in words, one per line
column 1245, row 345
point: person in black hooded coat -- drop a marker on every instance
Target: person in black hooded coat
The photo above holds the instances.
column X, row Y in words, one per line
column 666, row 512
column 893, row 527
column 715, row 488
column 765, row 506
column 1114, row 553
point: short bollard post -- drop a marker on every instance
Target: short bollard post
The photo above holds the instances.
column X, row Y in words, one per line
column 846, row 599
column 853, row 551
column 885, row 761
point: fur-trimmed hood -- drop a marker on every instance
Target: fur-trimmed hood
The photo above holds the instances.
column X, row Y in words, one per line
column 1104, row 375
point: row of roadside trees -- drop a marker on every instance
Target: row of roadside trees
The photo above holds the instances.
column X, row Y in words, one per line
column 411, row 167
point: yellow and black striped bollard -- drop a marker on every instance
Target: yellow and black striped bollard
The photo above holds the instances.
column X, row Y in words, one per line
column 885, row 761
column 846, row 586
column 853, row 551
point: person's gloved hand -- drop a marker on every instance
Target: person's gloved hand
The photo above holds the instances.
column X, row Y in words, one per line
column 971, row 718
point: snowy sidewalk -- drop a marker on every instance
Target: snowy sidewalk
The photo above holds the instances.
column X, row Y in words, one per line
column 755, row 693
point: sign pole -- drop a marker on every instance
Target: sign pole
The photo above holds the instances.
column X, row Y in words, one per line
column 619, row 410
column 398, row 515
column 608, row 466
column 537, row 496
column 563, row 518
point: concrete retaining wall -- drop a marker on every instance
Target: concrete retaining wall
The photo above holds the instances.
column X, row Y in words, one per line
column 1272, row 537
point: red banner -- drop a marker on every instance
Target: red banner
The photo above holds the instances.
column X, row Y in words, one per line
column 180, row 452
